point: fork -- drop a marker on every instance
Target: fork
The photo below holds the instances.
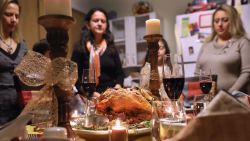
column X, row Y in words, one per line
column 32, row 136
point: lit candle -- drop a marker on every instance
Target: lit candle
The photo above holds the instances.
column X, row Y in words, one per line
column 118, row 132
column 58, row 7
column 153, row 26
column 75, row 115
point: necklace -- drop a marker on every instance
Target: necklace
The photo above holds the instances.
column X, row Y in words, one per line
column 9, row 46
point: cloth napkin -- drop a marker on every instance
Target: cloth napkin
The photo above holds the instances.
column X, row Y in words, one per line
column 224, row 119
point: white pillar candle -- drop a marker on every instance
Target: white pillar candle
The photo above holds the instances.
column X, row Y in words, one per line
column 58, row 7
column 119, row 132
column 153, row 26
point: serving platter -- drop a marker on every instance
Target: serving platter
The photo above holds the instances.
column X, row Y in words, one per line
column 103, row 135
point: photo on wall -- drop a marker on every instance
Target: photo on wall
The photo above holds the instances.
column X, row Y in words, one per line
column 190, row 47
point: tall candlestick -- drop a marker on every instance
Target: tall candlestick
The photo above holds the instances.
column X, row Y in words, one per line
column 58, row 7
column 153, row 26
column 118, row 132
column 154, row 83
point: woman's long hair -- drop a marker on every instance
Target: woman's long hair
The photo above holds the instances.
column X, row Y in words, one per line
column 167, row 50
column 15, row 34
column 236, row 28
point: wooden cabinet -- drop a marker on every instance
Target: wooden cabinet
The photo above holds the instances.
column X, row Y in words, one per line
column 128, row 33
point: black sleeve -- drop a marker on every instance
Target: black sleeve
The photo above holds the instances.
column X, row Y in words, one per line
column 77, row 57
column 119, row 71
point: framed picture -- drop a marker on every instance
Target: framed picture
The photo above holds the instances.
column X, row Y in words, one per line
column 205, row 20
column 190, row 48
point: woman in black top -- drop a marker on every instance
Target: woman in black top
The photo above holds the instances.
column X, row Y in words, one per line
column 12, row 49
column 97, row 39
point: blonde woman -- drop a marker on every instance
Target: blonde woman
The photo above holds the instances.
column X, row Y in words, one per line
column 227, row 51
column 12, row 49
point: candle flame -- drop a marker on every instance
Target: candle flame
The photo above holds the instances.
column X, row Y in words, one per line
column 75, row 114
column 117, row 122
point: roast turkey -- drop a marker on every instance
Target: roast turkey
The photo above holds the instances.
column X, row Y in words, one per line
column 130, row 105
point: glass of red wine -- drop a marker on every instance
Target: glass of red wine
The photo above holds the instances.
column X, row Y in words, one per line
column 173, row 82
column 88, row 85
column 205, row 81
column 201, row 101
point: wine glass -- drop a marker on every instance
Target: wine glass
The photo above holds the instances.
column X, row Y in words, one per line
column 89, row 86
column 173, row 82
column 201, row 101
column 205, row 81
column 173, row 76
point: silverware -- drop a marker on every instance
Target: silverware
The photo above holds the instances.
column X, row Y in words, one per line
column 32, row 136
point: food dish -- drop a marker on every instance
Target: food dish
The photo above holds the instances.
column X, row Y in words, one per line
column 103, row 135
column 135, row 107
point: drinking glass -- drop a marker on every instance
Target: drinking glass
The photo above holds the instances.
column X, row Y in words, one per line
column 89, row 85
column 173, row 76
column 164, row 123
column 201, row 101
column 205, row 81
column 173, row 82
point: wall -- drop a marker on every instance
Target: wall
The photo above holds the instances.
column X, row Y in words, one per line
column 81, row 5
column 28, row 21
column 168, row 9
column 33, row 32
column 75, row 31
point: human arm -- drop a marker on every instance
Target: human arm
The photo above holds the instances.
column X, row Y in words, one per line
column 118, row 71
column 198, row 65
column 244, row 77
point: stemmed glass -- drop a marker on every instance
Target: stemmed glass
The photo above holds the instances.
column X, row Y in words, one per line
column 173, row 81
column 205, row 81
column 89, row 86
column 201, row 101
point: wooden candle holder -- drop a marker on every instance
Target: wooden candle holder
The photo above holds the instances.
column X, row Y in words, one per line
column 57, row 27
column 154, row 83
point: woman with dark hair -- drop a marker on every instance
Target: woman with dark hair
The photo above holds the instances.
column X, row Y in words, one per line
column 145, row 71
column 163, row 50
column 227, row 51
column 12, row 49
column 98, row 41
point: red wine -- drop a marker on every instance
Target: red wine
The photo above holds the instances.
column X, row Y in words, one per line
column 173, row 87
column 205, row 86
column 89, row 88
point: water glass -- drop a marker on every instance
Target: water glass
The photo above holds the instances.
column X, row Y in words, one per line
column 168, row 118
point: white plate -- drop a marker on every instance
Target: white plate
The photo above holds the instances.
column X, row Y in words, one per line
column 104, row 134
column 52, row 139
